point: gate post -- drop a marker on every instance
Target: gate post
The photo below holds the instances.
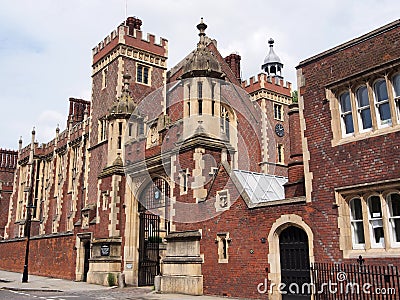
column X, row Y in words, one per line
column 182, row 264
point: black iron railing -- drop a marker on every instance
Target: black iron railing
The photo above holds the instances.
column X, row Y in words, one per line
column 355, row 281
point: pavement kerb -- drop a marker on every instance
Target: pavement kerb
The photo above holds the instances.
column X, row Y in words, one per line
column 31, row 289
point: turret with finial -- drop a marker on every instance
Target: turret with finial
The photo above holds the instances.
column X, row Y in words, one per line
column 272, row 63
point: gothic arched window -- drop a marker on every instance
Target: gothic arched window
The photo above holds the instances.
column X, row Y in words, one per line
column 225, row 121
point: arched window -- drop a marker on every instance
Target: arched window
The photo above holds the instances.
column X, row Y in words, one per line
column 382, row 102
column 225, row 121
column 363, row 108
column 346, row 113
column 356, row 219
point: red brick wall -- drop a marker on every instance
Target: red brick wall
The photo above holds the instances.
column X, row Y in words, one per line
column 245, row 270
column 364, row 161
column 52, row 257
column 368, row 160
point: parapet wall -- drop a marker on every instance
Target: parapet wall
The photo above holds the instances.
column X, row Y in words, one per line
column 8, row 160
column 272, row 83
column 131, row 36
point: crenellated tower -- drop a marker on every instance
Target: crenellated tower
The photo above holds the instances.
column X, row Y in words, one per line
column 122, row 54
column 8, row 166
column 273, row 95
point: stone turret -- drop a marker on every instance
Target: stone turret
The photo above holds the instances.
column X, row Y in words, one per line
column 203, row 63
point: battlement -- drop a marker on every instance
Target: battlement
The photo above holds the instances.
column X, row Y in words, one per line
column 8, row 159
column 272, row 83
column 129, row 33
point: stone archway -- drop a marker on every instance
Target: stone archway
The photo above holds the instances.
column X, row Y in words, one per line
column 280, row 225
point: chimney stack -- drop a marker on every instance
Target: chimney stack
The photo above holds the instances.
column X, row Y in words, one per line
column 295, row 186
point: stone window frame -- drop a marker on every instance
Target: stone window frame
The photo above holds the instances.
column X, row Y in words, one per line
column 120, row 134
column 369, row 248
column 280, row 153
column 23, row 173
column 104, row 78
column 184, row 181
column 361, row 109
column 102, row 129
column 278, row 111
column 222, row 242
column 225, row 120
column 335, row 90
column 140, row 74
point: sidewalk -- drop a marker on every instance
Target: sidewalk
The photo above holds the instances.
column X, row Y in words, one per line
column 12, row 281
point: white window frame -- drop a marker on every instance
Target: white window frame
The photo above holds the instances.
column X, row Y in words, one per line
column 354, row 221
column 396, row 96
column 360, row 109
column 334, row 94
column 381, row 123
column 372, row 220
column 343, row 115
column 278, row 111
column 391, row 229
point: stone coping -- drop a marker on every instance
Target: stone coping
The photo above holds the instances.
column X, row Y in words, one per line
column 184, row 235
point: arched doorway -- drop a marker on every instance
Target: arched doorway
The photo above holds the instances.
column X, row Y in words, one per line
column 295, row 263
column 153, row 209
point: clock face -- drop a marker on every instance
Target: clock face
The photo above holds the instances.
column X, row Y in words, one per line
column 279, row 130
column 157, row 194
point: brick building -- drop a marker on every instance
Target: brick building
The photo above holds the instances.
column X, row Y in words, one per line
column 8, row 164
column 142, row 156
column 195, row 155
column 349, row 107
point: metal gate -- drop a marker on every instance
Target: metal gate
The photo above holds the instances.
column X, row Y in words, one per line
column 149, row 241
column 295, row 264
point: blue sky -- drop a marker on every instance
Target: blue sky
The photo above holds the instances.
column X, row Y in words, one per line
column 45, row 45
